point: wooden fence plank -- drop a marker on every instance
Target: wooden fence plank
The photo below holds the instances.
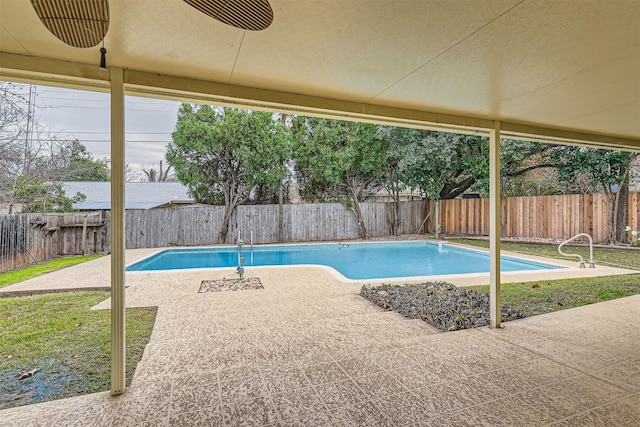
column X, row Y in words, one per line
column 549, row 217
column 634, row 211
column 304, row 222
column 24, row 237
column 46, row 236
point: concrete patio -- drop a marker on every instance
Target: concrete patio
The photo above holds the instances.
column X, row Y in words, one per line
column 308, row 351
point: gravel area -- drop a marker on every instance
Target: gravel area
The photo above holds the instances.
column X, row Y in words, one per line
column 223, row 285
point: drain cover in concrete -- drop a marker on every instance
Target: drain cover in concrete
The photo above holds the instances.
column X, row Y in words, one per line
column 223, row 285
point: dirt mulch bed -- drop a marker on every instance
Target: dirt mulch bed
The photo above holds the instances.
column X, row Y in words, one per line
column 440, row 304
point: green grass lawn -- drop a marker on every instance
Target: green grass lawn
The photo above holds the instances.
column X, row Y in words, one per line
column 34, row 270
column 69, row 344
column 623, row 258
column 545, row 296
column 554, row 295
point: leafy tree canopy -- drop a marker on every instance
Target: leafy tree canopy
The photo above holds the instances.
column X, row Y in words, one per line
column 605, row 168
column 44, row 197
column 70, row 161
column 438, row 164
column 223, row 154
column 339, row 160
column 609, row 170
column 31, row 159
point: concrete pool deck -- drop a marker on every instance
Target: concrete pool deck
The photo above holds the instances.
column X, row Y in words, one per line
column 96, row 273
column 308, row 351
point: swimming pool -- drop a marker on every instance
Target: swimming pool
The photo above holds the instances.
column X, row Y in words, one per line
column 354, row 261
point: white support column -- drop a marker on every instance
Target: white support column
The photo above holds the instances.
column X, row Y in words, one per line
column 495, row 224
column 118, row 322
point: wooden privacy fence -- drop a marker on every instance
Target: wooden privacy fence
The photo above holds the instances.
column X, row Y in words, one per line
column 549, row 217
column 200, row 225
column 51, row 235
column 25, row 237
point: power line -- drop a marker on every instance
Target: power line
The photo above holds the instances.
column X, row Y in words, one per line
column 101, row 132
column 106, row 108
column 106, row 140
column 128, row 100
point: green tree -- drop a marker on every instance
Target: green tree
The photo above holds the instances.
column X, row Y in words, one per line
column 31, row 159
column 16, row 146
column 518, row 160
column 442, row 165
column 608, row 170
column 223, row 154
column 44, row 197
column 70, row 161
column 396, row 172
column 339, row 160
column 438, row 165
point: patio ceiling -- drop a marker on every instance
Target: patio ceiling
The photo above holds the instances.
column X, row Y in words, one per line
column 567, row 71
column 552, row 71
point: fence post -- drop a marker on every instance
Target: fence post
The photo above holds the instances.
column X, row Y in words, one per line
column 84, row 234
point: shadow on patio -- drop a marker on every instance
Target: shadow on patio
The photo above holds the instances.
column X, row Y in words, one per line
column 307, row 350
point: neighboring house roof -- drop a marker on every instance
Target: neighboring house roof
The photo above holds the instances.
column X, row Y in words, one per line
column 406, row 192
column 138, row 195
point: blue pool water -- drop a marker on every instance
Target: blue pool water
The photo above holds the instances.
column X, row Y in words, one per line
column 354, row 261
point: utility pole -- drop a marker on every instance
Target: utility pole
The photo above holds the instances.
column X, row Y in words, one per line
column 28, row 138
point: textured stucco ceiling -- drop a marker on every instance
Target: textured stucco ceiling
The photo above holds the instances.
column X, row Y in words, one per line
column 572, row 64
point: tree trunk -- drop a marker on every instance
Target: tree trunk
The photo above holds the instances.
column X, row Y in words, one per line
column 611, row 218
column 228, row 210
column 280, row 212
column 396, row 219
column 622, row 208
column 618, row 204
column 362, row 228
column 453, row 190
column 230, row 203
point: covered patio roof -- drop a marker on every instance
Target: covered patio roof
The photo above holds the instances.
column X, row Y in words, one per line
column 566, row 71
column 532, row 69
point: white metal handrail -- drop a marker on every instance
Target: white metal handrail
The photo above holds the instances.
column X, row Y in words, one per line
column 591, row 263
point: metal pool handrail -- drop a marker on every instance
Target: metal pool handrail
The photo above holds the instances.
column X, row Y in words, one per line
column 591, row 263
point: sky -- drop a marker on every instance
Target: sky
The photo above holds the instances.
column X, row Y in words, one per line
column 71, row 114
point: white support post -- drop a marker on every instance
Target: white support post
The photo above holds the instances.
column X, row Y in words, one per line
column 437, row 209
column 495, row 229
column 118, row 322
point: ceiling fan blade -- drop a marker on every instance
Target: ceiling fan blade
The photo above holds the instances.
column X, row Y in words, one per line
column 78, row 23
column 254, row 15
